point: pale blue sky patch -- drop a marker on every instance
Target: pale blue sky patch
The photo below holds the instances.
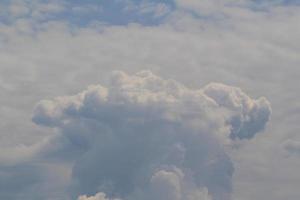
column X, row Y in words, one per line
column 81, row 13
column 123, row 12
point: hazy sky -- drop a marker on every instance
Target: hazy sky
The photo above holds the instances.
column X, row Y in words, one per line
column 143, row 100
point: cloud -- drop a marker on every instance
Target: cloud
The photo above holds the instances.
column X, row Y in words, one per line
column 262, row 61
column 170, row 185
column 228, row 8
column 38, row 10
column 98, row 196
column 252, row 115
column 18, row 8
column 142, row 135
column 211, row 7
column 19, row 179
column 157, row 10
column 292, row 146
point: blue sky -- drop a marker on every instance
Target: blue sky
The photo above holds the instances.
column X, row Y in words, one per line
column 120, row 12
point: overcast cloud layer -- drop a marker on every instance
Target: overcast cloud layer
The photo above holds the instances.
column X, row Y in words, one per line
column 60, row 48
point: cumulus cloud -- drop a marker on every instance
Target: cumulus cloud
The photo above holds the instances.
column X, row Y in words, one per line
column 250, row 116
column 144, row 137
column 98, row 196
column 170, row 185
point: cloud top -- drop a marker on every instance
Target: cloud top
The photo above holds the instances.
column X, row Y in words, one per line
column 131, row 97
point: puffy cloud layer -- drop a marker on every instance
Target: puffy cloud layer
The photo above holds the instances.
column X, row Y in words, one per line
column 143, row 137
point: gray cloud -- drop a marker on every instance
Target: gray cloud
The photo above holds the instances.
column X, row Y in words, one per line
column 17, row 181
column 142, row 133
column 292, row 146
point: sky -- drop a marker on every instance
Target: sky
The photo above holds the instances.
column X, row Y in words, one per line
column 143, row 100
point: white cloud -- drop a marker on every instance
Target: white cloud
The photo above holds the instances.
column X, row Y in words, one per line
column 129, row 136
column 164, row 185
column 252, row 116
column 168, row 100
column 98, row 196
column 171, row 185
